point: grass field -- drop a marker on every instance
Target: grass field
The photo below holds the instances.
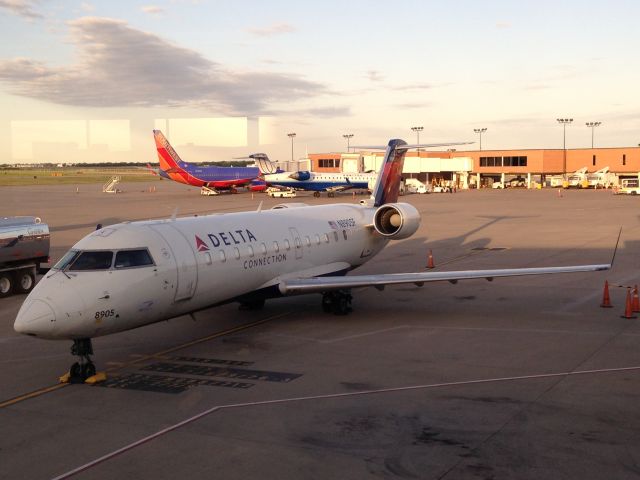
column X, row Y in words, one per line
column 71, row 175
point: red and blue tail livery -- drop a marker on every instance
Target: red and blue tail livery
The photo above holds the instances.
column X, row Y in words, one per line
column 212, row 177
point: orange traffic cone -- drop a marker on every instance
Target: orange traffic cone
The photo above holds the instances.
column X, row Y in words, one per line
column 430, row 260
column 635, row 303
column 628, row 309
column 606, row 300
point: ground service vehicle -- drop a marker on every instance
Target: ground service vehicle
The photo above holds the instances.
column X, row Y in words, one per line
column 629, row 186
column 24, row 245
column 281, row 193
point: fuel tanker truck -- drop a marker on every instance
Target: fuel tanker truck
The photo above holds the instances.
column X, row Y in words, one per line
column 24, row 245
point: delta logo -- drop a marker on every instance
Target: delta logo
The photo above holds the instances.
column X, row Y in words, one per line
column 200, row 245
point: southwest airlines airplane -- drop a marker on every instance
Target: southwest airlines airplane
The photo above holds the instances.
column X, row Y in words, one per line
column 211, row 177
column 128, row 275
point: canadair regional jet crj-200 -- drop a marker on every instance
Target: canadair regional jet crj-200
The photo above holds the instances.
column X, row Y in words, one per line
column 128, row 275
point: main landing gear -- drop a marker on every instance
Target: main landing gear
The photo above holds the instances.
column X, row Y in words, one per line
column 337, row 302
column 84, row 368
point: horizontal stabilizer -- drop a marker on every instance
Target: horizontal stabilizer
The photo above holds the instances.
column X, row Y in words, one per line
column 323, row 284
column 410, row 147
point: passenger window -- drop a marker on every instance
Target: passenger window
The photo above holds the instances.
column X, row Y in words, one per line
column 93, row 261
column 317, row 239
column 276, row 247
column 326, row 238
column 287, row 245
column 344, row 234
column 133, row 258
column 223, row 257
column 250, row 250
column 335, row 235
column 236, row 252
column 207, row 258
column 263, row 248
column 307, row 241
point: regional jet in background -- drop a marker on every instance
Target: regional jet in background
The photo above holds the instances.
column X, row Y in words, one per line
column 128, row 275
column 322, row 182
column 211, row 179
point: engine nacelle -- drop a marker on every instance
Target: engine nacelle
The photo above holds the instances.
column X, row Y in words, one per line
column 396, row 220
column 301, row 175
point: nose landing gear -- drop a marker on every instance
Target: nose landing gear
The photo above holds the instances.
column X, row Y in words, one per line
column 84, row 369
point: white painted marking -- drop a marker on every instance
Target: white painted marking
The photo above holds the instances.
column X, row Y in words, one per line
column 200, row 415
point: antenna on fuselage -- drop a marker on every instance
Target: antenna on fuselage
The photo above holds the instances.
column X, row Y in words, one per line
column 174, row 215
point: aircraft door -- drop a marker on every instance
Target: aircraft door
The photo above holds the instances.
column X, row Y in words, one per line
column 297, row 242
column 184, row 258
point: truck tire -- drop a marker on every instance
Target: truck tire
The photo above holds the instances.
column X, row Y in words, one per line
column 6, row 284
column 25, row 281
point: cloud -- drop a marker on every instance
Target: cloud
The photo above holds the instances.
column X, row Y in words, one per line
column 374, row 76
column 24, row 8
column 152, row 9
column 415, row 86
column 414, row 105
column 120, row 66
column 271, row 30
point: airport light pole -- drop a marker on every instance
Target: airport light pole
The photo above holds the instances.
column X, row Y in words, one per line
column 348, row 136
column 564, row 122
column 480, row 131
column 418, row 130
column 593, row 125
column 291, row 135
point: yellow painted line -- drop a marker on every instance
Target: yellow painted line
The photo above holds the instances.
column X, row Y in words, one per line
column 142, row 358
column 33, row 394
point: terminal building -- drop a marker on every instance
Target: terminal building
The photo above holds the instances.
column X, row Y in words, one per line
column 482, row 168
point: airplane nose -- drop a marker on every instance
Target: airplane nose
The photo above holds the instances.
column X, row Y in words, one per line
column 36, row 317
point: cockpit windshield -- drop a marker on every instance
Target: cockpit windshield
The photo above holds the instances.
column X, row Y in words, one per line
column 65, row 261
column 92, row 261
column 76, row 260
column 133, row 258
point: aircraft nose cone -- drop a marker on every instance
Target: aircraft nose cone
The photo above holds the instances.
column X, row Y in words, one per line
column 35, row 318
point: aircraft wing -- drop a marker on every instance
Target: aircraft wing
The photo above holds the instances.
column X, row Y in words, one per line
column 323, row 284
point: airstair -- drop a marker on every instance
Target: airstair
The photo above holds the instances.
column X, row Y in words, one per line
column 112, row 185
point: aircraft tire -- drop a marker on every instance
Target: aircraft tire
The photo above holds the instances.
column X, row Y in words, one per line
column 88, row 370
column 6, row 284
column 75, row 372
column 316, row 194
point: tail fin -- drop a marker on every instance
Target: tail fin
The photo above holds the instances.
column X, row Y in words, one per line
column 265, row 165
column 170, row 161
column 388, row 184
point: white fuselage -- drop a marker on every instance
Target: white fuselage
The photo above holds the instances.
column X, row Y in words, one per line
column 320, row 182
column 198, row 262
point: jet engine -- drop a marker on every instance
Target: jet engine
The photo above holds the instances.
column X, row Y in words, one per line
column 396, row 220
column 300, row 176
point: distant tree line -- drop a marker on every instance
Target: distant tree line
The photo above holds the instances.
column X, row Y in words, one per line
column 226, row 163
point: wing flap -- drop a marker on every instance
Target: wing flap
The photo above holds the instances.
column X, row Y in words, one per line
column 323, row 284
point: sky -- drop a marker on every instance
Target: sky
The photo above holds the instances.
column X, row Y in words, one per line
column 89, row 80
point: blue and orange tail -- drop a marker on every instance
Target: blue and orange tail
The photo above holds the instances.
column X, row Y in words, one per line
column 387, row 186
column 170, row 161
